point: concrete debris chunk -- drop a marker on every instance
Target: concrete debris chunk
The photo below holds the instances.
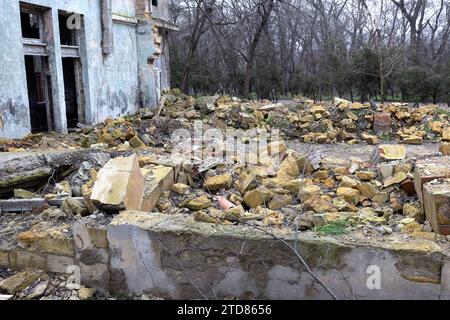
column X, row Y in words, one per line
column 119, row 184
column 289, row 168
column 350, row 195
column 180, row 188
column 201, row 216
column 39, row 289
column 320, row 205
column 396, row 179
column 445, row 149
column 413, row 210
column 73, row 207
column 158, row 179
column 24, row 194
column 86, row 293
column 446, row 134
column 280, row 201
column 412, row 139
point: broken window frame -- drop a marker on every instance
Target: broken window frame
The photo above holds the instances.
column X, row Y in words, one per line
column 71, row 51
column 39, row 48
column 32, row 46
column 39, row 12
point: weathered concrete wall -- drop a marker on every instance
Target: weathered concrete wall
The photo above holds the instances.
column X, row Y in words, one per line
column 145, row 52
column 111, row 82
column 163, row 64
column 14, row 112
column 162, row 10
column 119, row 94
column 124, row 7
column 174, row 257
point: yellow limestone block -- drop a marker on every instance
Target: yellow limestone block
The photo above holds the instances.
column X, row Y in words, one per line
column 120, row 183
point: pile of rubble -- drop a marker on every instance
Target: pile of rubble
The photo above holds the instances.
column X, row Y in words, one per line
column 302, row 120
column 303, row 193
column 340, row 121
column 126, row 133
column 300, row 192
column 33, row 284
column 127, row 164
column 37, row 284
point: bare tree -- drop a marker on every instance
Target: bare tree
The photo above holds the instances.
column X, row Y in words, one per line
column 318, row 48
column 198, row 29
column 265, row 9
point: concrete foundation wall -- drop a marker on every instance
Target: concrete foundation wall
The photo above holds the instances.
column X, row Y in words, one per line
column 172, row 256
column 110, row 82
column 177, row 258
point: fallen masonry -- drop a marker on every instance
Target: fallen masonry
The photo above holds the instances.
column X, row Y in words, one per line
column 302, row 119
column 114, row 204
column 53, row 240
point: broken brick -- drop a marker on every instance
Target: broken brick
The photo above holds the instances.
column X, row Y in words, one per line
column 382, row 122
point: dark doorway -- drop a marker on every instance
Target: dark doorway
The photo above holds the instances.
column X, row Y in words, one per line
column 70, row 90
column 38, row 97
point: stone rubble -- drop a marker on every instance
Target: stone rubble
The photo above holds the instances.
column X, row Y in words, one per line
column 284, row 189
column 39, row 285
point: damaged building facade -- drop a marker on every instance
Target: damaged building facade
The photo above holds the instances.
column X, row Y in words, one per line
column 65, row 63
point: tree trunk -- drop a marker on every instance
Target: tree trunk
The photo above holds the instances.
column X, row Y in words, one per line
column 382, row 81
column 195, row 39
column 252, row 48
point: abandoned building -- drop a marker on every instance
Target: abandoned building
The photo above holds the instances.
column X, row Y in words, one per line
column 64, row 63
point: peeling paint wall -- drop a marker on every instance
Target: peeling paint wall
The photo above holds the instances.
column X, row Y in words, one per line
column 114, row 85
column 161, row 11
column 13, row 92
column 145, row 51
column 118, row 93
column 164, row 65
